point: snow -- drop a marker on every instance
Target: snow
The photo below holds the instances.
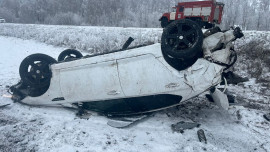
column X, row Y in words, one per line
column 28, row 128
column 86, row 38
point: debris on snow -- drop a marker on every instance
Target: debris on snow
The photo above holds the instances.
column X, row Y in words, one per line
column 181, row 126
column 3, row 106
column 267, row 116
column 123, row 122
column 202, row 136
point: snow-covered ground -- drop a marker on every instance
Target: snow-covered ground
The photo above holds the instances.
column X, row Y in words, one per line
column 84, row 38
column 25, row 128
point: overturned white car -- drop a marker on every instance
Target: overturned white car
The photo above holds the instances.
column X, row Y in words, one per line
column 137, row 80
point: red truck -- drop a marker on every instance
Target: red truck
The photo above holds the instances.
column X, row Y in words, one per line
column 205, row 13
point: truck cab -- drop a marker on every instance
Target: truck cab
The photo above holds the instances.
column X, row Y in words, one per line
column 206, row 13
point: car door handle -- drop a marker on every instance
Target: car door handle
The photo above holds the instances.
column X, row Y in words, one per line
column 114, row 92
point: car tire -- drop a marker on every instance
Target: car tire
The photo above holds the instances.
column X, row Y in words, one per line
column 182, row 39
column 69, row 54
column 164, row 22
column 180, row 64
column 35, row 70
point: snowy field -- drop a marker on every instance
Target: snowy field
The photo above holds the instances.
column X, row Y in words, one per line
column 26, row 128
column 83, row 38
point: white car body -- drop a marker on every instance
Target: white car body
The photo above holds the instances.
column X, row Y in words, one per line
column 132, row 73
column 134, row 81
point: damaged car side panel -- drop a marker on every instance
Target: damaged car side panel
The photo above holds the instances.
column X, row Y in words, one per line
column 98, row 81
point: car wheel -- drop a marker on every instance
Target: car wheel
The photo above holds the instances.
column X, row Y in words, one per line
column 35, row 71
column 182, row 39
column 180, row 64
column 164, row 22
column 69, row 55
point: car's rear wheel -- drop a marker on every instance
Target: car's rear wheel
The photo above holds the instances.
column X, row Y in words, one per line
column 182, row 39
column 69, row 54
column 35, row 70
column 180, row 64
column 181, row 43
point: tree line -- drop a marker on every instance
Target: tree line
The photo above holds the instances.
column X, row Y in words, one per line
column 249, row 14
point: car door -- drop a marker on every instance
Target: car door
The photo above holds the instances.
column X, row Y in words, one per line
column 145, row 75
column 91, row 82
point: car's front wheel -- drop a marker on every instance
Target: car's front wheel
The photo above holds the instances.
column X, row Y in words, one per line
column 35, row 71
